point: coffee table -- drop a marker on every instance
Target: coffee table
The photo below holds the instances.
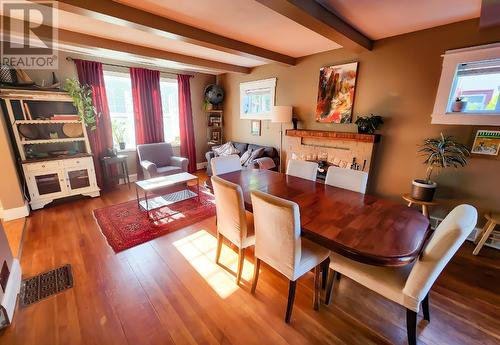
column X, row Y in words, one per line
column 164, row 191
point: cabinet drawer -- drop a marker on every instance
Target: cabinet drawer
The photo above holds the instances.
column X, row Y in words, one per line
column 75, row 162
column 42, row 166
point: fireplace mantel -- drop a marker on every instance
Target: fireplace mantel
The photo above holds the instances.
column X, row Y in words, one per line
column 330, row 135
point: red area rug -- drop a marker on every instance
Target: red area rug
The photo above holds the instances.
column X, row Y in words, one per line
column 125, row 226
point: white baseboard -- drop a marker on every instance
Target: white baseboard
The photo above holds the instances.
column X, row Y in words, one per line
column 15, row 213
column 132, row 177
column 489, row 243
column 202, row 165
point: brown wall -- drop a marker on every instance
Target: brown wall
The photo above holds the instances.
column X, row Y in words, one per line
column 398, row 79
column 11, row 195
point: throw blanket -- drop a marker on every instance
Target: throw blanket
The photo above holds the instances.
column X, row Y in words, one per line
column 265, row 163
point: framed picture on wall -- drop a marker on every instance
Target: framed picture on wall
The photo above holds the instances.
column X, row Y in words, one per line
column 255, row 128
column 486, row 143
column 257, row 99
column 336, row 93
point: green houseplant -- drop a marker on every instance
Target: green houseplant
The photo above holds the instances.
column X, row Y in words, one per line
column 369, row 124
column 440, row 153
column 82, row 99
column 118, row 128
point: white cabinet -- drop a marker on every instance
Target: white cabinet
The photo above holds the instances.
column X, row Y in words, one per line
column 60, row 178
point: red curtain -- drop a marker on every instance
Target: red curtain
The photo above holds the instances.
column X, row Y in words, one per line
column 148, row 113
column 188, row 148
column 90, row 73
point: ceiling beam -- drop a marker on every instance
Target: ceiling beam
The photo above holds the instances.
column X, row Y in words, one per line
column 88, row 41
column 319, row 19
column 116, row 13
column 490, row 13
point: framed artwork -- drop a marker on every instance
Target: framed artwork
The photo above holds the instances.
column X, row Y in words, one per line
column 215, row 135
column 255, row 128
column 336, row 93
column 257, row 99
column 486, row 143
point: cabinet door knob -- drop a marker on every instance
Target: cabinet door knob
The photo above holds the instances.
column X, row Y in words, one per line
column 43, row 165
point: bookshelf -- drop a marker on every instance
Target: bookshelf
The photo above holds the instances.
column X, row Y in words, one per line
column 215, row 126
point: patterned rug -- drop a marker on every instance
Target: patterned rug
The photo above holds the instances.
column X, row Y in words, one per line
column 125, row 226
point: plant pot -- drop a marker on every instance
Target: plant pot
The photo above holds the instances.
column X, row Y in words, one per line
column 458, row 106
column 422, row 190
column 364, row 130
column 122, row 146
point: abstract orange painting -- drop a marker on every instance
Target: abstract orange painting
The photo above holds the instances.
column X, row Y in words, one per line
column 336, row 93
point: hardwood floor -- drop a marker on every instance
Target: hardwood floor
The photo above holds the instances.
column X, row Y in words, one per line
column 169, row 291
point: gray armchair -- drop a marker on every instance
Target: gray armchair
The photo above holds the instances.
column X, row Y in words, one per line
column 159, row 160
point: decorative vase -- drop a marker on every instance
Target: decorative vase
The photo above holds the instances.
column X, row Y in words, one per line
column 458, row 106
column 122, row 146
column 364, row 130
column 422, row 190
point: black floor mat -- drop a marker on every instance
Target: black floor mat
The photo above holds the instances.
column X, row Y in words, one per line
column 45, row 285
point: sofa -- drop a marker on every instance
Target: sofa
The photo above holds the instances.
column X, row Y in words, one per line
column 159, row 160
column 269, row 151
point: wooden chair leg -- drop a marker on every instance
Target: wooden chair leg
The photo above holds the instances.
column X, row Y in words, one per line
column 329, row 286
column 219, row 247
column 291, row 298
column 325, row 266
column 425, row 308
column 425, row 211
column 317, row 287
column 256, row 269
column 241, row 259
column 480, row 233
column 486, row 233
column 411, row 326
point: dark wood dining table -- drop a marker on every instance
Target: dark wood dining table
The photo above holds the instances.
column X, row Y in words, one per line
column 363, row 227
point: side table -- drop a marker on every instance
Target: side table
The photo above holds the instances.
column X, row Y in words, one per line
column 424, row 204
column 120, row 160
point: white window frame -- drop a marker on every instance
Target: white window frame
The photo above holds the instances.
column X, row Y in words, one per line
column 172, row 80
column 256, row 85
column 451, row 59
column 125, row 74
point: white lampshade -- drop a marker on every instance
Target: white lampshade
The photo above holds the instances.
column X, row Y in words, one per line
column 281, row 114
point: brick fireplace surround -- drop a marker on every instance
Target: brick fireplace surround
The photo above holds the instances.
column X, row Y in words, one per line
column 337, row 148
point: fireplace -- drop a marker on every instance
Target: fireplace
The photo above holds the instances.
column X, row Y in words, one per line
column 328, row 148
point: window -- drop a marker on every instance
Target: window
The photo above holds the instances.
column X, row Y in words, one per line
column 478, row 84
column 170, row 106
column 472, row 74
column 121, row 107
column 257, row 99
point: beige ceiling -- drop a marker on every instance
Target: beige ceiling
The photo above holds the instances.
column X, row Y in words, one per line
column 384, row 18
column 244, row 20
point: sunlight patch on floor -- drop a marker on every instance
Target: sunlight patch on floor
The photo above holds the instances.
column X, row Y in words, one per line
column 199, row 250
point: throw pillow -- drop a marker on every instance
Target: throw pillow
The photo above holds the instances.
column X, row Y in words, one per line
column 226, row 149
column 244, row 157
column 257, row 153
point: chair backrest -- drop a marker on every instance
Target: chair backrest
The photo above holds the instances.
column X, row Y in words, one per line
column 446, row 240
column 158, row 153
column 225, row 164
column 354, row 180
column 302, row 169
column 277, row 232
column 231, row 217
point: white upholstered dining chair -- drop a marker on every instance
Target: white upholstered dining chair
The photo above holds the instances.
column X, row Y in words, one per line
column 354, row 180
column 302, row 169
column 279, row 244
column 225, row 164
column 233, row 222
column 409, row 285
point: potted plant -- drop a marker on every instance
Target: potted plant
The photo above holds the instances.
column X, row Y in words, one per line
column 459, row 104
column 82, row 99
column 439, row 153
column 118, row 129
column 369, row 124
